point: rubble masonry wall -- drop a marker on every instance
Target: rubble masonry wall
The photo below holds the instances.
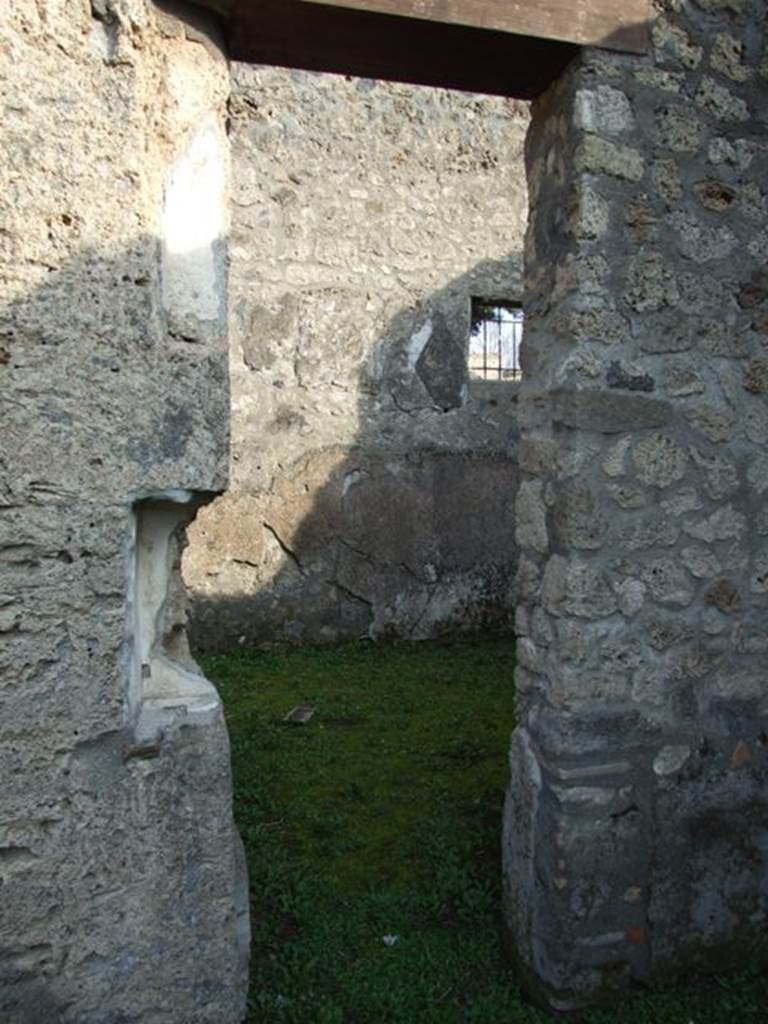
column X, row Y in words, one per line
column 636, row 827
column 372, row 489
column 122, row 886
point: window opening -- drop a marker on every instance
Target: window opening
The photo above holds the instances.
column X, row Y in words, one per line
column 494, row 342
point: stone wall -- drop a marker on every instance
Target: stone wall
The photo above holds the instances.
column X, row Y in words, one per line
column 636, row 825
column 372, row 490
column 636, row 830
column 119, row 866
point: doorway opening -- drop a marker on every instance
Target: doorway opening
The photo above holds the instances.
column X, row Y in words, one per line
column 371, row 499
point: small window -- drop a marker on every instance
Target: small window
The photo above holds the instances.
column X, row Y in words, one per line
column 494, row 341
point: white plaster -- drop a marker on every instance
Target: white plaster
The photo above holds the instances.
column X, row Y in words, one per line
column 176, row 494
column 350, row 480
column 172, row 682
column 193, row 224
column 159, row 718
column 103, row 40
column 417, row 344
column 160, row 686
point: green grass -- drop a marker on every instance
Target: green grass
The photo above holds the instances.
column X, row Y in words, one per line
column 381, row 818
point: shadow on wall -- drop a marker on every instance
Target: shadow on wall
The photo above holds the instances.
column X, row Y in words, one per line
column 100, row 404
column 404, row 531
column 113, row 402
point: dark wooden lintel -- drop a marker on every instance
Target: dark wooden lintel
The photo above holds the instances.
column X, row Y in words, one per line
column 612, row 24
column 322, row 37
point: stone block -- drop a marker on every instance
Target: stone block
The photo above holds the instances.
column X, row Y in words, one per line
column 442, row 366
column 659, row 461
column 651, row 531
column 577, row 519
column 656, row 78
column 702, row 242
column 538, row 455
column 605, row 412
column 700, row 562
column 756, row 377
column 720, row 102
column 717, row 425
column 677, row 129
column 531, row 528
column 687, row 499
column 603, row 111
column 651, row 287
column 601, row 325
column 621, row 379
column 595, row 155
column 715, row 195
column 726, row 523
column 671, row 759
column 674, row 46
column 667, row 583
column 665, row 176
column 575, row 588
column 667, row 633
column 724, row 595
column 642, row 222
column 589, row 219
column 721, row 476
column 631, row 596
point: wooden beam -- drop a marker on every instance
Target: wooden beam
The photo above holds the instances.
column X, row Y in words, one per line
column 329, row 37
column 611, row 24
column 223, row 7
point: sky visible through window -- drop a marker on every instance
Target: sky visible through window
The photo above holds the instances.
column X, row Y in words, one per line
column 494, row 341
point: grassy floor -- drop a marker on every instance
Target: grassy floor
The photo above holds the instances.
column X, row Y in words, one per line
column 372, row 835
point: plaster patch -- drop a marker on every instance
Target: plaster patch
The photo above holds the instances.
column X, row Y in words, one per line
column 193, row 227
column 418, row 343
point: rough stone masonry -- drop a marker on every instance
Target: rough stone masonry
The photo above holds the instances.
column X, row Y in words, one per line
column 372, row 485
column 636, row 825
column 123, row 891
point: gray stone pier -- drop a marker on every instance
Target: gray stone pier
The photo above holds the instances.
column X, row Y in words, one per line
column 636, row 825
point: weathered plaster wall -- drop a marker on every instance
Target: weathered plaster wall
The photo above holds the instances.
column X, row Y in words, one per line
column 119, row 865
column 636, row 840
column 372, row 491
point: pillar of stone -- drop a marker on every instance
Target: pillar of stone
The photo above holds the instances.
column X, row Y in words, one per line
column 121, row 874
column 636, row 823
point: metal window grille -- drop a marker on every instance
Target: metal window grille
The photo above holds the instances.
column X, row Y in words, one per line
column 494, row 341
